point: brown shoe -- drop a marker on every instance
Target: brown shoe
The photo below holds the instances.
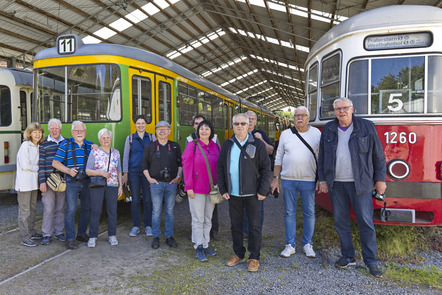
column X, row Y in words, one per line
column 253, row 265
column 234, row 260
column 72, row 245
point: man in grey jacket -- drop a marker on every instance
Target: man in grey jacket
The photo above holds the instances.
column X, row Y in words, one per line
column 351, row 164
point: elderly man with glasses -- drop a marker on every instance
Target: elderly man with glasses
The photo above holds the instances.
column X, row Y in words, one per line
column 244, row 173
column 71, row 159
column 351, row 164
column 295, row 164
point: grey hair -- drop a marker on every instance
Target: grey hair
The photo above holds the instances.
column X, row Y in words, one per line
column 55, row 121
column 102, row 131
column 342, row 99
column 240, row 115
column 252, row 113
column 75, row 123
column 300, row 109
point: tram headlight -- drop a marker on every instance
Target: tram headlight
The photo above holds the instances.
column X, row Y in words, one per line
column 398, row 169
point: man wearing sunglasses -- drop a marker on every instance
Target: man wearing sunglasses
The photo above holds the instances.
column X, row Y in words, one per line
column 244, row 173
column 351, row 164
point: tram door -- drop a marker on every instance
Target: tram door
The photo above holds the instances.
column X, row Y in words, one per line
column 142, row 85
column 228, row 111
column 163, row 102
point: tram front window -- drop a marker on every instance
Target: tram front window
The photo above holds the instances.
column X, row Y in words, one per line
column 90, row 92
column 396, row 86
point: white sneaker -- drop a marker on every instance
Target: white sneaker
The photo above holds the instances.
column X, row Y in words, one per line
column 113, row 240
column 288, row 251
column 308, row 250
column 149, row 231
column 134, row 232
column 91, row 242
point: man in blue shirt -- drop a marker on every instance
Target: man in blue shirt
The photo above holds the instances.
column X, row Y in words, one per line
column 244, row 179
column 71, row 159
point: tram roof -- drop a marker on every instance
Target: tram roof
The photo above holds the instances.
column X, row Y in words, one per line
column 391, row 16
column 21, row 77
column 144, row 56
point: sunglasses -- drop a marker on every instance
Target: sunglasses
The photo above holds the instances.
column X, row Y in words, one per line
column 242, row 124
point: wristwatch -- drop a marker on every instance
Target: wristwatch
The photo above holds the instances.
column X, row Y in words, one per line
column 274, row 176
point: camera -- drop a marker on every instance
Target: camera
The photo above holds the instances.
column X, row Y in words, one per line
column 377, row 196
column 166, row 174
column 81, row 174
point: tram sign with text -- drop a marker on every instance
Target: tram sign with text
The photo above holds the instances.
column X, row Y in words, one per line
column 396, row 41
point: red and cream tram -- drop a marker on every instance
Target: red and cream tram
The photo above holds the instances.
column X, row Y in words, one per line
column 388, row 61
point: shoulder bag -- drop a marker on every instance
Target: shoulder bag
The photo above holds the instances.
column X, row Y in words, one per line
column 55, row 180
column 294, row 131
column 215, row 195
column 100, row 181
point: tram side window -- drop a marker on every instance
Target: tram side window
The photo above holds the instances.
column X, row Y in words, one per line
column 187, row 104
column 330, row 83
column 358, row 86
column 5, row 106
column 397, row 85
column 226, row 113
column 217, row 108
column 165, row 101
column 23, row 110
column 204, row 105
column 434, row 103
column 312, row 90
column 142, row 97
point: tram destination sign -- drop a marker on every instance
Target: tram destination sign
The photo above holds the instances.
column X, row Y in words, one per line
column 410, row 40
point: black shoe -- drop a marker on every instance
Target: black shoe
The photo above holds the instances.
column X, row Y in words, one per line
column 171, row 242
column 374, row 270
column 344, row 262
column 156, row 243
column 46, row 240
column 82, row 237
column 29, row 243
column 214, row 235
column 71, row 245
column 36, row 236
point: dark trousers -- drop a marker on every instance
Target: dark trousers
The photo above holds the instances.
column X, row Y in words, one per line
column 252, row 206
column 215, row 222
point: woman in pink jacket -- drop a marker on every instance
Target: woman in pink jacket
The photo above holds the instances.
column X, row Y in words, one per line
column 197, row 185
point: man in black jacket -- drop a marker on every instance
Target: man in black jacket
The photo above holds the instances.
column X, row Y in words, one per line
column 244, row 179
column 162, row 167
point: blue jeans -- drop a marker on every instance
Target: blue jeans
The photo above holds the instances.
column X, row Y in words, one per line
column 140, row 186
column 290, row 191
column 343, row 197
column 110, row 194
column 167, row 192
column 73, row 188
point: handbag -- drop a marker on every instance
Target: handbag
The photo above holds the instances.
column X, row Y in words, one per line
column 215, row 195
column 100, row 181
column 56, row 182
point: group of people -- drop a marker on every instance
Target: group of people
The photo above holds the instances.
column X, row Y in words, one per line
column 345, row 160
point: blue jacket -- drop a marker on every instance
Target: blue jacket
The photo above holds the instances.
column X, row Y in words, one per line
column 367, row 156
column 249, row 182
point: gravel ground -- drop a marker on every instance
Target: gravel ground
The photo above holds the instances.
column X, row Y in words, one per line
column 133, row 267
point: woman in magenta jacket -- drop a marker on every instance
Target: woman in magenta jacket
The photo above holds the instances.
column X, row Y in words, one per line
column 197, row 185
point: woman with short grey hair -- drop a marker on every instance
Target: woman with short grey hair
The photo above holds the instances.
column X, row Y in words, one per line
column 104, row 168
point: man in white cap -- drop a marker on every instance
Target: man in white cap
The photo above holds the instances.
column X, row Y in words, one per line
column 162, row 167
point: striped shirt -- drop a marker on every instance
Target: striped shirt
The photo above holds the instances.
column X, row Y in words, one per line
column 79, row 153
column 47, row 151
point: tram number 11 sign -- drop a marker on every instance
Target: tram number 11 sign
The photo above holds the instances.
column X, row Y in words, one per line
column 66, row 45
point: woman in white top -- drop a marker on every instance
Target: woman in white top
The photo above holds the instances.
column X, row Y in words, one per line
column 26, row 183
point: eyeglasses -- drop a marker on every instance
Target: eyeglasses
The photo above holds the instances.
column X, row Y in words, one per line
column 79, row 131
column 196, row 123
column 301, row 115
column 342, row 109
column 238, row 123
